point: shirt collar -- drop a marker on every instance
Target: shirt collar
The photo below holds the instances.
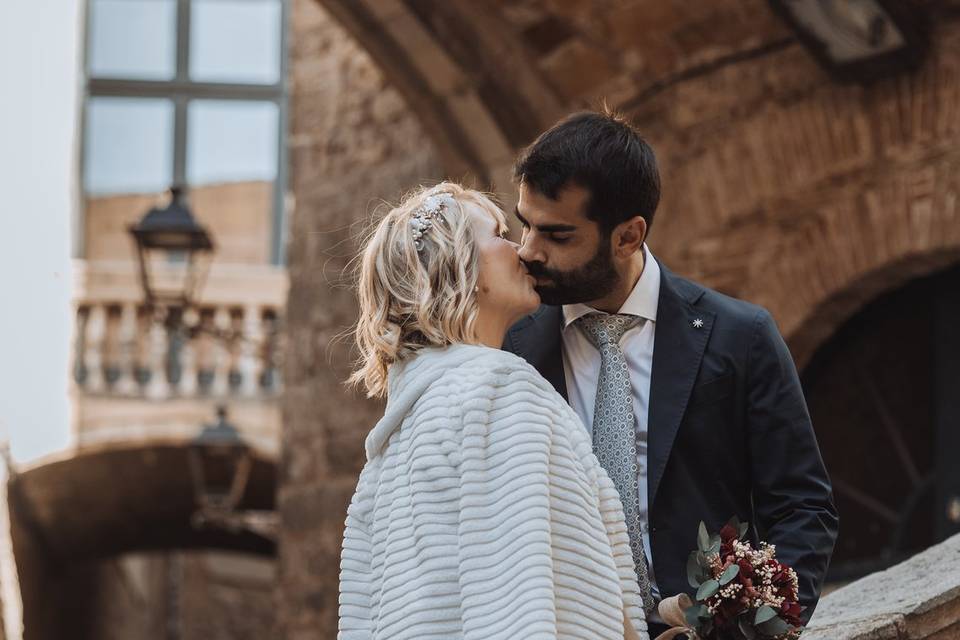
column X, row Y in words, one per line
column 642, row 301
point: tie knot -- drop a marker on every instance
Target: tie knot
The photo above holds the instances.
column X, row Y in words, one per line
column 603, row 329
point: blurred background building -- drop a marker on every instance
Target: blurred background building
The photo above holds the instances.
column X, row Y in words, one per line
column 810, row 163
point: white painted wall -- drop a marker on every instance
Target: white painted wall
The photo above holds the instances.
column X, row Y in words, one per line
column 39, row 114
column 40, row 45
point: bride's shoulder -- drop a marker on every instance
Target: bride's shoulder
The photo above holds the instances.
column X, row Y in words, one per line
column 477, row 364
column 484, row 359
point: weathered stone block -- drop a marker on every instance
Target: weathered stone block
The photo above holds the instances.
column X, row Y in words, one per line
column 912, row 600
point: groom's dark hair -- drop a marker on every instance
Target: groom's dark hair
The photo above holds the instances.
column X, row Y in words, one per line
column 602, row 153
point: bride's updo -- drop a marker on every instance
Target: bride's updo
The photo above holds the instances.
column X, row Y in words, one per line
column 417, row 281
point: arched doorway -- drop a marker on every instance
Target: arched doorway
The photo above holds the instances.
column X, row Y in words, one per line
column 884, row 395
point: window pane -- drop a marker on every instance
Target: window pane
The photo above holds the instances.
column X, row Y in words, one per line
column 235, row 41
column 231, row 169
column 129, row 145
column 231, row 141
column 133, row 39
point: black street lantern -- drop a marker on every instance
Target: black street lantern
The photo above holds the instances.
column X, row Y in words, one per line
column 172, row 249
column 220, row 463
column 859, row 40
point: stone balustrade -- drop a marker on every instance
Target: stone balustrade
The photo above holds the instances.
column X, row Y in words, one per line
column 229, row 346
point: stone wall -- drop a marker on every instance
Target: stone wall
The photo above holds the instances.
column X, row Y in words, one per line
column 916, row 600
column 780, row 186
column 353, row 143
column 806, row 196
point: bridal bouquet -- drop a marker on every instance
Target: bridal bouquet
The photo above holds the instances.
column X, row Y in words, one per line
column 742, row 593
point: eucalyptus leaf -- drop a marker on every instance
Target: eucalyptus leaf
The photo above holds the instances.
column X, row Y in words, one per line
column 742, row 529
column 694, row 615
column 691, row 618
column 695, row 574
column 703, row 538
column 707, row 589
column 734, row 522
column 764, row 613
column 774, row 627
column 702, row 560
column 729, row 574
column 714, row 544
column 746, row 628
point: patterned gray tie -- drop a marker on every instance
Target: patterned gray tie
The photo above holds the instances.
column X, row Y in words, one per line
column 614, row 433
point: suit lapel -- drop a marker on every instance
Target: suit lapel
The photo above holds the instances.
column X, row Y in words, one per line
column 681, row 337
column 537, row 339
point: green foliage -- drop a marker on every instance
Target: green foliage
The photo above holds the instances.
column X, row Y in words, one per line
column 764, row 613
column 703, row 538
column 707, row 589
column 729, row 574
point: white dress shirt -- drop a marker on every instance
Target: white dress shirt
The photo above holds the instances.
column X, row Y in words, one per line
column 581, row 366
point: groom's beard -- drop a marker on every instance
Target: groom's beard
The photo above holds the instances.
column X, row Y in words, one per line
column 593, row 280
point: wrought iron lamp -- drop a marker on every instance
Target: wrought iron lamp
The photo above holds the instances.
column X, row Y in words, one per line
column 859, row 40
column 220, row 464
column 173, row 252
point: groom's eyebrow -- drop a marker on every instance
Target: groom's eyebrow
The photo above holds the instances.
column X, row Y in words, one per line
column 545, row 228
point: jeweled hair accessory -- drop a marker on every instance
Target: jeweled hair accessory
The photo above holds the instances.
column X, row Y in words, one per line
column 423, row 217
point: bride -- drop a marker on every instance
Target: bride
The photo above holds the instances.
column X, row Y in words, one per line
column 482, row 511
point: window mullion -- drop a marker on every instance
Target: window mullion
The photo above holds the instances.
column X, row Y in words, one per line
column 180, row 101
column 183, row 40
column 180, row 140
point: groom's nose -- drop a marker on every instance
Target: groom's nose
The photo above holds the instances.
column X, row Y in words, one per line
column 529, row 253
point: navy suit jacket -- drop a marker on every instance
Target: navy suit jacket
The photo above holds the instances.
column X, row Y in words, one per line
column 728, row 432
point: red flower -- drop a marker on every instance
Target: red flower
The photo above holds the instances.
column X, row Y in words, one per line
column 728, row 610
column 790, row 611
column 728, row 533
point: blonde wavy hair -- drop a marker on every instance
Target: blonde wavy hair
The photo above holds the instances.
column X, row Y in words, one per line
column 412, row 299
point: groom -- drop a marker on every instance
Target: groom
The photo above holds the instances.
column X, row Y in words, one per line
column 691, row 397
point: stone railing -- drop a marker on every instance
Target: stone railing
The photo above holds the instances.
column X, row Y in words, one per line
column 918, row 599
column 231, row 348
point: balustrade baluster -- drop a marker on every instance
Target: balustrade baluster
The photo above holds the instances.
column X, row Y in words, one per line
column 94, row 348
column 142, row 349
column 251, row 364
column 234, row 349
column 111, row 346
column 221, row 319
column 188, row 358
column 268, row 374
column 157, row 386
column 80, row 370
column 126, row 338
column 203, row 352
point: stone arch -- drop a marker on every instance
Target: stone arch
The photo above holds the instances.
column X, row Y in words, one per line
column 898, row 228
column 471, row 85
column 108, row 500
column 486, row 78
column 881, row 392
column 805, row 196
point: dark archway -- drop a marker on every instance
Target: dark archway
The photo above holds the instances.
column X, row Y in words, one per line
column 883, row 396
column 69, row 513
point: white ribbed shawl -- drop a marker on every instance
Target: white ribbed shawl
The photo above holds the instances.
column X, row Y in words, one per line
column 482, row 512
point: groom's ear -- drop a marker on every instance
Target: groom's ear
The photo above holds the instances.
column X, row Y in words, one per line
column 628, row 236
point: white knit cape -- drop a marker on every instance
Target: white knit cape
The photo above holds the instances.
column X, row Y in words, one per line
column 482, row 512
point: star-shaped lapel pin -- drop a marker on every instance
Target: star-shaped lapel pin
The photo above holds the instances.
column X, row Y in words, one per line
column 698, row 323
